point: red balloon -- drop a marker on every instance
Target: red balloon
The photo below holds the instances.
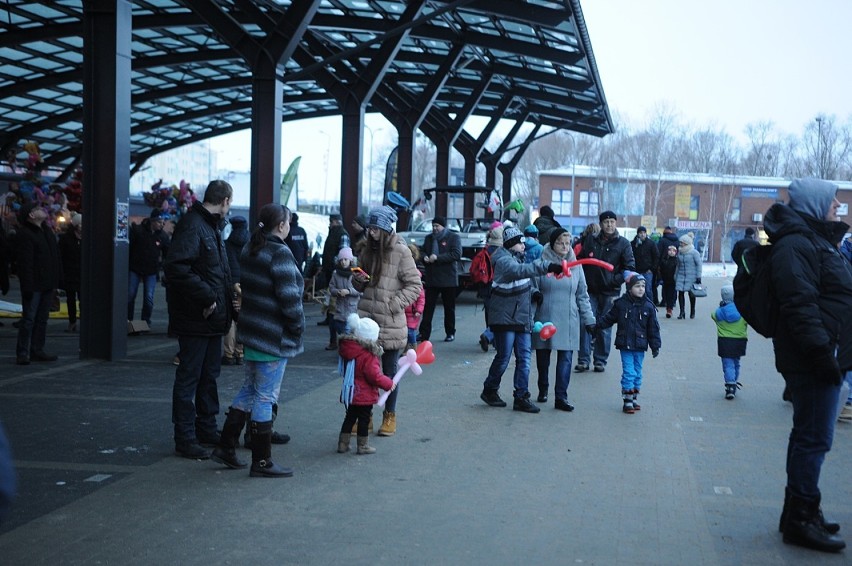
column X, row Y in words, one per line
column 425, row 355
column 547, row 332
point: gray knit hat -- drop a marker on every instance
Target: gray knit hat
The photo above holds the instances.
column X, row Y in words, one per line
column 512, row 236
column 382, row 218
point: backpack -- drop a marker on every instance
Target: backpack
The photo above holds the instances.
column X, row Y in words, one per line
column 481, row 269
column 754, row 295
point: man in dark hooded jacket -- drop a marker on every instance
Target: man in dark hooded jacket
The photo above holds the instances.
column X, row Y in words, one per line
column 812, row 284
column 545, row 223
column 297, row 241
column 441, row 252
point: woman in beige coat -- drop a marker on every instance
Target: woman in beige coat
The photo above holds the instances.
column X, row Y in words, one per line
column 391, row 283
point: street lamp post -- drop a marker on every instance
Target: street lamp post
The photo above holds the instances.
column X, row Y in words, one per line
column 819, row 146
column 327, row 151
column 370, row 168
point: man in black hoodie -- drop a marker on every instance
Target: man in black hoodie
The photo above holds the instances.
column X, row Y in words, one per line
column 148, row 245
column 812, row 284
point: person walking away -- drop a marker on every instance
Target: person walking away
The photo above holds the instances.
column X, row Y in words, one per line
column 201, row 305
column 297, row 241
column 232, row 350
column 813, row 345
column 390, row 283
column 148, row 245
column 359, row 347
column 565, row 303
column 688, row 273
column 532, row 247
column 749, row 241
column 638, row 329
column 70, row 251
column 341, row 288
column 545, row 222
column 647, row 257
column 441, row 253
column 604, row 286
column 272, row 324
column 39, row 273
column 668, row 270
column 511, row 319
column 732, row 339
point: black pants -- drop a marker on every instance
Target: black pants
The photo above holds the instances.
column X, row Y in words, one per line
column 195, row 396
column 669, row 294
column 360, row 413
column 448, row 299
column 681, row 300
column 71, row 301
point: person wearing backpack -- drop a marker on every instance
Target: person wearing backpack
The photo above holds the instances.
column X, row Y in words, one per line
column 482, row 274
column 812, row 284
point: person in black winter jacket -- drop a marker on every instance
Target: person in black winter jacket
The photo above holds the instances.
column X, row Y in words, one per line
column 297, row 241
column 441, row 252
column 669, row 238
column 604, row 286
column 200, row 313
column 647, row 257
column 232, row 353
column 39, row 273
column 148, row 245
column 638, row 329
column 812, row 284
column 70, row 252
column 749, row 241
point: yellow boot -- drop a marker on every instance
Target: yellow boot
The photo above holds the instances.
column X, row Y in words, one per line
column 369, row 427
column 388, row 427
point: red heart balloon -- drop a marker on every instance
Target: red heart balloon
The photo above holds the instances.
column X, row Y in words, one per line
column 425, row 355
column 547, row 332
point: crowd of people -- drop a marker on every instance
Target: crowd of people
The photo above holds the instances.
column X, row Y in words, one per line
column 237, row 300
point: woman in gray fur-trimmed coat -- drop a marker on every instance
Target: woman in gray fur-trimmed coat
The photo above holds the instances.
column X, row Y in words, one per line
column 271, row 326
column 688, row 273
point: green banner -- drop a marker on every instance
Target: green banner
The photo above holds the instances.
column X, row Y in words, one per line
column 290, row 179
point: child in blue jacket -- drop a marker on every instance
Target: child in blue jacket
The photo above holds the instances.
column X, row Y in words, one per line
column 732, row 332
column 638, row 329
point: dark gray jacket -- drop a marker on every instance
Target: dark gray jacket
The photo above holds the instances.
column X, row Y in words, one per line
column 510, row 307
column 444, row 272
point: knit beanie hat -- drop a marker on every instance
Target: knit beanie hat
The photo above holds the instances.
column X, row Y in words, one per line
column 531, row 231
column 382, row 218
column 686, row 239
column 631, row 278
column 728, row 294
column 440, row 220
column 495, row 236
column 555, row 233
column 345, row 253
column 361, row 220
column 607, row 214
column 363, row 328
column 512, row 236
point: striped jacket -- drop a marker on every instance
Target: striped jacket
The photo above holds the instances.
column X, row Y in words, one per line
column 510, row 307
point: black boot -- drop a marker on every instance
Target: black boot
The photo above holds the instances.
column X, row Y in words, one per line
column 262, row 465
column 681, row 315
column 225, row 452
column 802, row 527
column 276, row 437
column 830, row 526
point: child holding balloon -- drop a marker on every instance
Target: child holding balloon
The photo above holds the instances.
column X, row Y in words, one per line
column 361, row 350
column 638, row 329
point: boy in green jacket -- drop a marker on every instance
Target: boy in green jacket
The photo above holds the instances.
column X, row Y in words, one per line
column 732, row 332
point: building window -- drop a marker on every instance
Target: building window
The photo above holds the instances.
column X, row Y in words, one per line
column 562, row 202
column 736, row 205
column 693, row 207
column 589, row 203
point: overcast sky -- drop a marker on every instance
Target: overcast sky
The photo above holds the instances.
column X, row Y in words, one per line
column 726, row 62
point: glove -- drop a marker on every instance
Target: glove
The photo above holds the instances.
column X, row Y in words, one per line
column 591, row 329
column 555, row 268
column 698, row 280
column 826, row 367
column 655, row 353
column 537, row 297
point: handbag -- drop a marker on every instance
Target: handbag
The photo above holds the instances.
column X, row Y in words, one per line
column 698, row 290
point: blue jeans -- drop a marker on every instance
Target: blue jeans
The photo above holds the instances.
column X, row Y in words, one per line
column 260, row 389
column 32, row 333
column 631, row 369
column 195, row 396
column 600, row 306
column 814, row 412
column 149, row 283
column 563, row 372
column 505, row 342
column 649, row 284
column 412, row 336
column 390, row 364
column 731, row 369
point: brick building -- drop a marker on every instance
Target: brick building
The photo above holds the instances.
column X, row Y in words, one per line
column 717, row 209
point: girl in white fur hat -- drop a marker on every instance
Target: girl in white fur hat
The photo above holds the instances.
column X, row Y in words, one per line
column 361, row 349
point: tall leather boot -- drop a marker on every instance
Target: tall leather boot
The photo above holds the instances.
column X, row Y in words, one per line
column 225, row 452
column 802, row 527
column 277, row 438
column 262, row 465
column 830, row 526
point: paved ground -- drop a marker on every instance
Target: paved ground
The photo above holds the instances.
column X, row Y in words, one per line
column 691, row 479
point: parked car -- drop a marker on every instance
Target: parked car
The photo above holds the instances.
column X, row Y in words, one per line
column 472, row 231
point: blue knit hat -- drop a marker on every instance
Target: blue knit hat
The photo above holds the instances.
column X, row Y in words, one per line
column 382, row 218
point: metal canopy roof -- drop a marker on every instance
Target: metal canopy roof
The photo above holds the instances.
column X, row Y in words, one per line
column 527, row 59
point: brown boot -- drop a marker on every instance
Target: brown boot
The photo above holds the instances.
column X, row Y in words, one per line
column 363, row 447
column 369, row 427
column 388, row 427
column 343, row 442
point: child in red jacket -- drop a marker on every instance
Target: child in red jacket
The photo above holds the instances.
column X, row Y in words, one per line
column 414, row 311
column 360, row 354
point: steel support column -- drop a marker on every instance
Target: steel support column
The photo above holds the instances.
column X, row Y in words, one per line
column 352, row 154
column 266, row 113
column 107, row 32
column 405, row 169
column 442, row 175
